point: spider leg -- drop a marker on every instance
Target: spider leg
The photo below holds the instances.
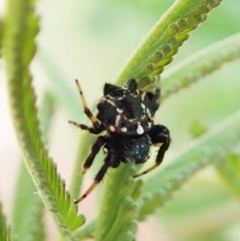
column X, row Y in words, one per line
column 160, row 136
column 110, row 161
column 97, row 179
column 85, row 107
column 101, row 140
column 92, row 130
column 97, row 127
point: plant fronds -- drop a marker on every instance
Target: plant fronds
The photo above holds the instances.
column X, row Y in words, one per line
column 163, row 41
column 125, row 201
column 19, row 48
column 200, row 64
column 165, row 38
column 209, row 148
column 4, row 228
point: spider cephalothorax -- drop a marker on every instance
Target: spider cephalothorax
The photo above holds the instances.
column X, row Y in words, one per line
column 127, row 110
column 127, row 116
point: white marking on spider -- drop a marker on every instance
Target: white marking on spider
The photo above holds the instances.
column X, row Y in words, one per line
column 119, row 111
column 112, row 128
column 143, row 106
column 149, row 124
column 124, row 129
column 148, row 113
column 110, row 102
column 118, row 117
column 140, row 129
column 105, row 150
column 143, row 95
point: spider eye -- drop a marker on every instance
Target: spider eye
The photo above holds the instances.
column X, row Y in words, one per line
column 112, row 90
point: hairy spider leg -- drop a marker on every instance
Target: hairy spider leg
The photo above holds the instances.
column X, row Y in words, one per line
column 98, row 178
column 87, row 128
column 94, row 150
column 159, row 135
column 97, row 128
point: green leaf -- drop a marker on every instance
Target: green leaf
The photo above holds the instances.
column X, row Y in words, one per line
column 4, row 229
column 207, row 149
column 19, row 47
column 87, row 231
column 200, row 64
column 28, row 207
column 1, row 36
column 229, row 170
column 118, row 209
column 164, row 39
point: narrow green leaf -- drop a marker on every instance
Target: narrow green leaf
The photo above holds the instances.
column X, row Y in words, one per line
column 73, row 105
column 164, row 39
column 19, row 47
column 1, row 35
column 4, row 229
column 200, row 64
column 207, row 149
column 28, row 208
column 229, row 170
column 117, row 207
column 127, row 237
column 87, row 231
column 36, row 225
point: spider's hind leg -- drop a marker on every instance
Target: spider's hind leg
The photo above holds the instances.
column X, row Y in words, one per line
column 97, row 127
column 111, row 160
column 101, row 140
column 97, row 180
column 160, row 136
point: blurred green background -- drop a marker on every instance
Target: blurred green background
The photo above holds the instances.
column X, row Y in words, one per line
column 90, row 41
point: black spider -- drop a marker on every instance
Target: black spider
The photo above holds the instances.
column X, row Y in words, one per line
column 126, row 114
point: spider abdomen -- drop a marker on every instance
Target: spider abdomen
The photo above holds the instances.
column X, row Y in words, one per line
column 130, row 149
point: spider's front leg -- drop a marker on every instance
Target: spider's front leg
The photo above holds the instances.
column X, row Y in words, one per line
column 160, row 136
column 97, row 127
column 111, row 160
